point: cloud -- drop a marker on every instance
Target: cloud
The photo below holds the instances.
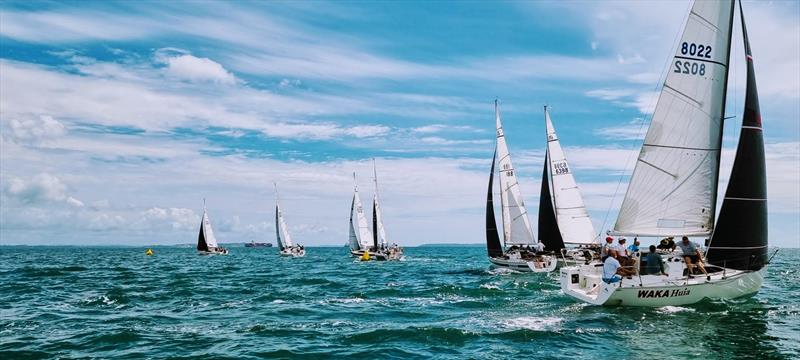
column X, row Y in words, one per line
column 182, row 65
column 35, row 129
column 41, row 188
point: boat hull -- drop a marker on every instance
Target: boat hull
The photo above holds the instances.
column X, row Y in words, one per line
column 657, row 291
column 526, row 266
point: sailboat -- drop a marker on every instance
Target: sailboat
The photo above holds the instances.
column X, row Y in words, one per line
column 380, row 244
column 206, row 242
column 286, row 246
column 361, row 238
column 563, row 219
column 523, row 253
column 673, row 188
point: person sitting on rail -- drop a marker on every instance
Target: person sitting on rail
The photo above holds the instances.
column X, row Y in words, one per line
column 691, row 255
column 611, row 268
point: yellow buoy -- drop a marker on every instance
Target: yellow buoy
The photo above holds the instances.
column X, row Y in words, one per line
column 365, row 257
column 149, row 252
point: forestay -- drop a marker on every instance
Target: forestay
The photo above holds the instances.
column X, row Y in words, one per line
column 516, row 226
column 574, row 222
column 673, row 187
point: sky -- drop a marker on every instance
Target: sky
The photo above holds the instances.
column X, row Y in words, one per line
column 118, row 118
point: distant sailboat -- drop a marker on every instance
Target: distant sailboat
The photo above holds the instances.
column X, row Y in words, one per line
column 380, row 244
column 361, row 238
column 285, row 244
column 517, row 235
column 206, row 242
column 563, row 219
column 673, row 189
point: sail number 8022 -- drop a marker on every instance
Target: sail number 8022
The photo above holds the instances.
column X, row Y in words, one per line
column 689, row 67
column 698, row 50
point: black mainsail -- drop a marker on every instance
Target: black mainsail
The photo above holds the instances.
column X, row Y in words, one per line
column 740, row 239
column 549, row 234
column 492, row 239
column 201, row 239
column 374, row 226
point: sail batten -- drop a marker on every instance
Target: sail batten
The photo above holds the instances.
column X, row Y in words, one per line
column 574, row 223
column 673, row 188
column 516, row 225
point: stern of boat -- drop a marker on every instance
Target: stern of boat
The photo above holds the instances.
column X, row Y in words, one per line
column 585, row 283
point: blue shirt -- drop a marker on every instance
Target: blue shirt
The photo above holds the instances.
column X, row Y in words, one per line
column 633, row 248
column 688, row 249
column 654, row 264
column 610, row 267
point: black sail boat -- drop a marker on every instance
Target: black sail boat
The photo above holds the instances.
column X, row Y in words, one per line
column 740, row 239
column 549, row 234
column 493, row 245
column 673, row 188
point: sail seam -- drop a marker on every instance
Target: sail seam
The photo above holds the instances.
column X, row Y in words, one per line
column 746, row 199
column 681, row 147
column 658, row 168
column 708, row 23
column 736, row 248
column 702, row 60
column 752, row 127
column 666, row 86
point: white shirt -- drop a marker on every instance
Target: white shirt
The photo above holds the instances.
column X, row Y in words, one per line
column 610, row 267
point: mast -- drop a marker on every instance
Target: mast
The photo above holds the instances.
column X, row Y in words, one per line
column 492, row 239
column 549, row 234
column 672, row 191
column 740, row 239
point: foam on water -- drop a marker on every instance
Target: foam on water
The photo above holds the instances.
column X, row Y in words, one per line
column 442, row 303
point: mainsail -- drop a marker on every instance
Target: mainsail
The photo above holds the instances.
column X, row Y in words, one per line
column 549, row 234
column 573, row 219
column 379, row 232
column 740, row 238
column 206, row 239
column 358, row 222
column 674, row 184
column 516, row 226
column 281, row 230
column 493, row 245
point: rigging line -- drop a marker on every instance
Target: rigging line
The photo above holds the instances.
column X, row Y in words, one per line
column 662, row 80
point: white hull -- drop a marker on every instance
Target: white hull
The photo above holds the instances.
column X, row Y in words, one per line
column 293, row 252
column 585, row 283
column 218, row 251
column 548, row 264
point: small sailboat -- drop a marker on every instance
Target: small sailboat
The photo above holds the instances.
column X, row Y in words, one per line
column 286, row 246
column 523, row 252
column 565, row 227
column 380, row 244
column 673, row 189
column 206, row 242
column 361, row 238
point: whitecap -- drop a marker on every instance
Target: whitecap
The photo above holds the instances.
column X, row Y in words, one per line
column 490, row 286
column 674, row 309
column 533, row 323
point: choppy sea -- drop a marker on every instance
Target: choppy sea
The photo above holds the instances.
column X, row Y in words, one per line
column 442, row 302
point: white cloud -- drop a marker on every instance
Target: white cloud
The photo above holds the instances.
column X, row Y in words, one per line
column 41, row 188
column 35, row 128
column 193, row 68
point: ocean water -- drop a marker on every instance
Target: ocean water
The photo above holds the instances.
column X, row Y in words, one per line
column 442, row 302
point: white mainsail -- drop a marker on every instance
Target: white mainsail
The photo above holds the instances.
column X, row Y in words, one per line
column 208, row 232
column 573, row 219
column 378, row 212
column 516, row 226
column 282, row 231
column 673, row 187
column 358, row 221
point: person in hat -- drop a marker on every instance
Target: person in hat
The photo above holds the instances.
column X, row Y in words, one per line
column 622, row 249
column 667, row 244
column 609, row 245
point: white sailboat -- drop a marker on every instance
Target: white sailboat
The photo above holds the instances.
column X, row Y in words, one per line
column 206, row 241
column 286, row 246
column 565, row 227
column 673, row 189
column 381, row 244
column 361, row 237
column 517, row 235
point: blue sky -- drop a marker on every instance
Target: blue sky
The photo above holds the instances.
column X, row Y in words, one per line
column 118, row 118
